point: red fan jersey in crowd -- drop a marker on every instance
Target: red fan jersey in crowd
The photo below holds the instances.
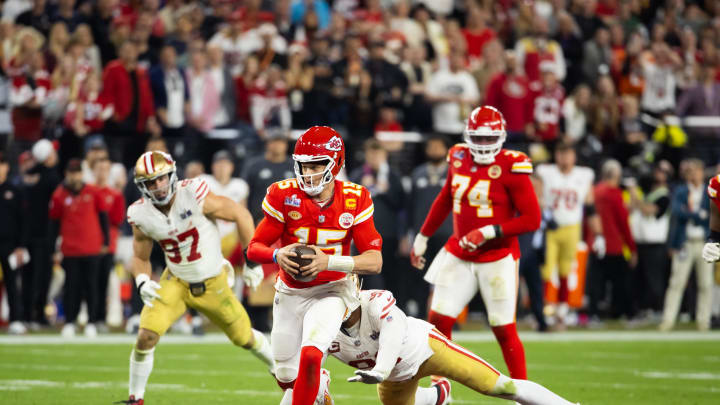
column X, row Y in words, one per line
column 79, row 219
column 511, row 94
column 26, row 90
column 480, row 195
column 547, row 108
column 118, row 87
column 293, row 217
column 96, row 109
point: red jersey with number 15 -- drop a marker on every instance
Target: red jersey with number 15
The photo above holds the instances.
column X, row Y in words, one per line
column 500, row 193
column 348, row 217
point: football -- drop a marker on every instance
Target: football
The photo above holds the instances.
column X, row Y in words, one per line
column 299, row 251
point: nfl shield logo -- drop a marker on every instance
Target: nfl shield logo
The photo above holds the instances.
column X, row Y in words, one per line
column 321, row 218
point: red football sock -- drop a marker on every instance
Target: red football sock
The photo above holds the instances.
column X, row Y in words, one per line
column 307, row 383
column 563, row 292
column 512, row 349
column 443, row 323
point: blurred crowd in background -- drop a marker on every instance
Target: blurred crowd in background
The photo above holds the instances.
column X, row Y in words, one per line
column 87, row 86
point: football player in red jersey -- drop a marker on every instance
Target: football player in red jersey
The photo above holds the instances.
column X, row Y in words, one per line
column 312, row 301
column 489, row 192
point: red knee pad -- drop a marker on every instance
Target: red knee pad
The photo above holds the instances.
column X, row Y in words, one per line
column 443, row 323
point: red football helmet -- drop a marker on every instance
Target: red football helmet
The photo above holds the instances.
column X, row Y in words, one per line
column 485, row 133
column 318, row 144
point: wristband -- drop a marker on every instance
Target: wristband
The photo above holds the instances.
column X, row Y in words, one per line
column 275, row 255
column 341, row 263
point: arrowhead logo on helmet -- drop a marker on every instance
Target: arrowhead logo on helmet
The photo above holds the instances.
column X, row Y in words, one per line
column 485, row 134
column 318, row 145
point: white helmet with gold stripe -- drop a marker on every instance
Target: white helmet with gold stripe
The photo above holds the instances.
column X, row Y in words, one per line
column 152, row 166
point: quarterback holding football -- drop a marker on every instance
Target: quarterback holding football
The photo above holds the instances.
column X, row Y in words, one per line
column 313, row 298
column 492, row 200
column 180, row 216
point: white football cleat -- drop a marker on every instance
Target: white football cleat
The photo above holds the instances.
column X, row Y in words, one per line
column 68, row 331
column 324, row 397
column 90, row 331
column 17, row 328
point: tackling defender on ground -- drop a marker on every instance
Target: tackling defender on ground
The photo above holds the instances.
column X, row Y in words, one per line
column 395, row 351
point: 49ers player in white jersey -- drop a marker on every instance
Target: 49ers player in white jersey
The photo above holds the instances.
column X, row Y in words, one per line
column 489, row 192
column 181, row 218
column 311, row 302
column 395, row 351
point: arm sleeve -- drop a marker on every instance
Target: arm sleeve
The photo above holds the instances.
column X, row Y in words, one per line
column 679, row 207
column 364, row 234
column 439, row 210
column 267, row 232
column 392, row 323
column 523, row 196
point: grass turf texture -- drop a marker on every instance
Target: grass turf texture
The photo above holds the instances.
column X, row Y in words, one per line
column 605, row 371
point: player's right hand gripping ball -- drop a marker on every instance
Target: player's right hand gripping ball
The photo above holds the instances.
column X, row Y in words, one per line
column 299, row 251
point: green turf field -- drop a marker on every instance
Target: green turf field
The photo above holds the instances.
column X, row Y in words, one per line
column 594, row 368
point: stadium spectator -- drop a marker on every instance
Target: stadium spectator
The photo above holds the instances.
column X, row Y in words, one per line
column 66, row 13
column 225, row 85
column 690, row 208
column 510, row 93
column 79, row 216
column 659, row 65
column 388, row 196
column 114, row 202
column 12, row 246
column 36, row 17
column 171, row 96
column 476, row 32
column 83, row 37
column 650, row 221
column 597, row 56
column 427, row 181
column 417, row 70
column 28, row 95
column 569, row 38
column 605, row 111
column 547, row 104
column 262, row 171
column 204, row 102
column 269, row 109
column 574, row 113
column 388, row 81
column 40, row 178
column 453, row 93
column 702, row 99
column 612, row 266
column 533, row 50
column 129, row 92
